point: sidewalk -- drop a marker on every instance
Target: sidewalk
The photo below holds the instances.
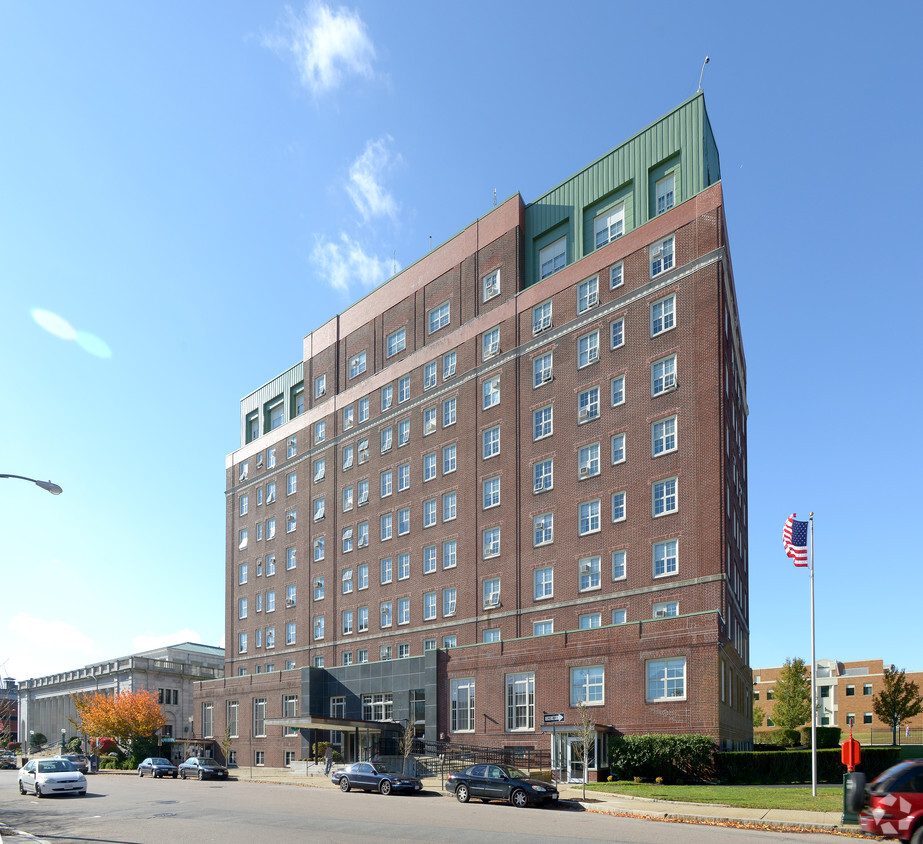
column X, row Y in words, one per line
column 612, row 804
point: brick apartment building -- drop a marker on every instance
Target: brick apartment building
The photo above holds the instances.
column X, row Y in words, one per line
column 510, row 479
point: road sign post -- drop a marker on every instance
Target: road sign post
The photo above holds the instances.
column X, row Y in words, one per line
column 554, row 718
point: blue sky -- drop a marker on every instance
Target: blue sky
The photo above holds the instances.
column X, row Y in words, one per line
column 187, row 189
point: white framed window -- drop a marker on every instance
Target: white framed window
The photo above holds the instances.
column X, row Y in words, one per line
column 520, row 701
column 363, row 487
column 403, row 610
column 242, row 539
column 244, row 504
column 364, row 409
column 588, row 405
column 403, row 389
column 588, row 461
column 291, row 558
column 320, row 431
column 357, row 365
column 490, row 343
column 589, row 620
column 461, row 705
column 271, row 600
column 348, row 456
column 242, row 608
column 347, row 540
column 617, row 389
column 387, row 438
column 617, row 333
column 319, row 549
column 542, row 369
column 449, row 412
column 396, row 342
column 618, row 448
column 403, row 521
column 552, row 258
column 618, row 506
column 543, row 529
column 666, row 558
column 363, row 574
column 664, row 495
column 241, row 643
column 491, row 543
column 271, row 528
column 318, row 627
column 429, row 606
column 270, row 458
column 449, row 601
column 610, row 225
column 665, row 609
column 429, row 421
column 319, row 509
column 385, row 613
column 387, row 397
column 663, row 193
column 543, row 475
column 666, row 679
column 616, row 275
column 387, row 480
column 663, row 315
column 620, row 616
column 661, row 255
column 490, row 285
column 347, row 581
column 430, row 375
column 429, row 559
column 543, row 583
column 588, row 570
column 318, row 588
column 541, row 317
column 542, row 423
column 403, row 432
column 587, row 294
column 491, row 592
column 449, row 459
column 291, row 483
column 429, row 645
column 429, row 466
column 403, row 477
column 587, row 685
column 491, row 442
column 491, row 493
column 320, row 386
column 543, row 628
column 449, row 553
column 589, row 517
column 587, row 349
column 429, row 512
column 491, row 635
column 270, row 565
column 449, row 642
column 244, row 466
column 449, row 363
column 619, row 570
column 663, row 375
column 363, row 621
column 347, row 622
column 663, row 436
column 439, row 317
column 491, row 392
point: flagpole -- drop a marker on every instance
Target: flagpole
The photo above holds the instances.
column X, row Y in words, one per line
column 813, row 676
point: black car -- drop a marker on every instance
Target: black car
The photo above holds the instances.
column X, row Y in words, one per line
column 373, row 776
column 78, row 760
column 157, row 766
column 500, row 782
column 202, row 767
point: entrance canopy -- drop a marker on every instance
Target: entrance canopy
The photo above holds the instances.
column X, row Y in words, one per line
column 317, row 722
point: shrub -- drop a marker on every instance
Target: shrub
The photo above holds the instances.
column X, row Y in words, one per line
column 108, row 762
column 776, row 738
column 667, row 756
column 658, row 780
column 826, row 736
column 782, row 767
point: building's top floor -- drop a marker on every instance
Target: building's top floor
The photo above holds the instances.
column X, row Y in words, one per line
column 827, row 670
column 671, row 161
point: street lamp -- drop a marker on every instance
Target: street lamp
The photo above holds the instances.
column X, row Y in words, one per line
column 63, row 740
column 54, row 489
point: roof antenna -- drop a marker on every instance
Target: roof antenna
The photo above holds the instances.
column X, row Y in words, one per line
column 702, row 73
column 430, row 243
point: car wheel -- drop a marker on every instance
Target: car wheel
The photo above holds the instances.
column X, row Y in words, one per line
column 855, row 791
column 201, row 775
column 462, row 795
column 22, row 790
column 518, row 799
column 140, row 773
column 38, row 791
column 174, row 776
column 344, row 783
column 385, row 787
column 182, row 775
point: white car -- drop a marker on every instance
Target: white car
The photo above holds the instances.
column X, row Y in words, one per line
column 51, row 776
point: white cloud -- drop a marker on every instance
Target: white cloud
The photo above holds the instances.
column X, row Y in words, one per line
column 326, row 45
column 149, row 641
column 343, row 262
column 39, row 647
column 365, row 176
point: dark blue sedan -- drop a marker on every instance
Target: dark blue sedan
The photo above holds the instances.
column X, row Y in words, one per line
column 156, row 766
column 373, row 776
column 501, row 782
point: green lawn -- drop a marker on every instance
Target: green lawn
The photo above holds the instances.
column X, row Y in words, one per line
column 829, row 798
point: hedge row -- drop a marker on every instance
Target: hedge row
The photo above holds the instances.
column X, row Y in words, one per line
column 826, row 737
column 674, row 758
column 788, row 766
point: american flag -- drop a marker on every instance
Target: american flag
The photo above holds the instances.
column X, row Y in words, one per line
column 795, row 540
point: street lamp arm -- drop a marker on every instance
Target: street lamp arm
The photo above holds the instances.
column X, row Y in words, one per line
column 53, row 488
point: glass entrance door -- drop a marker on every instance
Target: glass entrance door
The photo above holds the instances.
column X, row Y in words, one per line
column 574, row 759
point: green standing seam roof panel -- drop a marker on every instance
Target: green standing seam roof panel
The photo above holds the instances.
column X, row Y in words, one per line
column 684, row 133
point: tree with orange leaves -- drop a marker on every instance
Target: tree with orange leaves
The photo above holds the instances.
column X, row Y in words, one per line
column 126, row 717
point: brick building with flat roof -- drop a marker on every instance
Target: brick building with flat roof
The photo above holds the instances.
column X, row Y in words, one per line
column 510, row 479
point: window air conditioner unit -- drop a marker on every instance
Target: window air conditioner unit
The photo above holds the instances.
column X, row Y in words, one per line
column 584, row 471
column 657, row 251
column 584, row 412
column 540, row 524
column 660, row 614
column 585, row 568
column 363, row 456
column 289, row 602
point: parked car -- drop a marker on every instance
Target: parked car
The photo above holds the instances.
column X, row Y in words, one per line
column 500, row 782
column 79, row 761
column 202, row 767
column 156, row 766
column 374, row 776
column 51, row 776
column 7, row 761
column 892, row 805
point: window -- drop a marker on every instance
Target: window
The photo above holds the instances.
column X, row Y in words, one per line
column 362, row 655
column 403, row 477
column 449, row 361
column 318, row 627
column 242, row 538
column 271, row 528
column 619, row 616
column 363, row 533
column 609, row 225
column 292, row 446
column 403, row 521
column 866, row 689
column 663, row 315
column 259, row 531
column 449, row 553
column 589, row 571
column 490, row 285
column 243, row 470
column 259, row 720
column 661, row 256
column 363, row 619
column 666, row 558
column 448, row 412
column 491, row 391
column 385, row 613
column 542, row 369
column 491, row 592
column 242, row 608
column 449, row 642
column 552, row 258
column 520, row 701
column 386, row 439
column 347, row 499
column 319, row 508
column 461, row 695
column 663, row 436
column 491, row 493
column 618, row 565
column 347, row 580
column 430, row 375
column 665, row 609
column 616, row 275
column 589, row 517
column 587, row 294
column 663, row 375
column 348, row 455
column 403, row 611
column 541, row 317
column 363, row 491
column 363, row 576
column 618, row 448
column 663, row 191
column 259, row 495
column 429, row 512
column 542, row 423
column 347, row 540
column 318, row 549
column 449, row 506
column 291, row 558
column 490, row 343
column 364, row 409
column 491, row 438
column 297, row 402
column 386, row 527
column 666, row 679
column 588, row 349
column 320, row 431
column 491, row 635
column 429, row 422
column 618, row 390
column 588, row 461
column 438, row 317
column 542, row 628
column 241, row 643
column 320, row 386
column 270, row 565
column 448, row 459
column 543, row 475
column 290, row 631
column 617, row 333
column 491, row 542
column 543, row 529
column 386, row 483
column 387, row 396
column 320, row 469
column 448, row 601
column 618, row 506
column 396, row 342
column 664, row 493
column 403, row 389
column 233, row 708
column 586, row 685
column 318, row 588
column 403, row 650
column 867, row 718
column 429, row 466
column 291, row 483
column 588, row 405
column 244, row 503
column 543, row 583
column 386, row 569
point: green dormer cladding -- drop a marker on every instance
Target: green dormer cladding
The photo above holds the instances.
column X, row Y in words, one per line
column 665, row 164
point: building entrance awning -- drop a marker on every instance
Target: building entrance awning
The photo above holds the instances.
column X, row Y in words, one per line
column 317, row 722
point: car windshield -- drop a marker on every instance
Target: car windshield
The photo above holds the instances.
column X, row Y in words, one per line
column 383, row 769
column 208, row 763
column 516, row 774
column 55, row 766
column 160, row 761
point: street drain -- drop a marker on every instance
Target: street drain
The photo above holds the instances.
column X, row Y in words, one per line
column 164, row 802
column 166, row 815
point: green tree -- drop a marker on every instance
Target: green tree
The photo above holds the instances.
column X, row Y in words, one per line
column 405, row 745
column 758, row 716
column 792, row 706
column 898, row 700
column 586, row 732
column 37, row 740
